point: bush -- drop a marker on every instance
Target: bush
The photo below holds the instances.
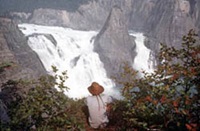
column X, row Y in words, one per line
column 5, row 65
column 170, row 95
column 43, row 107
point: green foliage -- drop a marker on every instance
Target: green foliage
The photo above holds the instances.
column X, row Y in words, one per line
column 5, row 65
column 43, row 107
column 170, row 94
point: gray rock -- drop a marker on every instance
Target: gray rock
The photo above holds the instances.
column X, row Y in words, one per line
column 50, row 17
column 88, row 16
column 14, row 49
column 171, row 23
column 114, row 44
column 195, row 13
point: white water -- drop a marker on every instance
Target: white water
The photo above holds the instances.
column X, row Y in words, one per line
column 142, row 60
column 74, row 53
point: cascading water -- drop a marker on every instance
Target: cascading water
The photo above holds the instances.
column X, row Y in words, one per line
column 72, row 50
column 142, row 61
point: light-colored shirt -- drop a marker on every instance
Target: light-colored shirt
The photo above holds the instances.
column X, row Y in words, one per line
column 97, row 109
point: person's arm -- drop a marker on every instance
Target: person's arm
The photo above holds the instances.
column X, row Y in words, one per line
column 110, row 99
column 109, row 104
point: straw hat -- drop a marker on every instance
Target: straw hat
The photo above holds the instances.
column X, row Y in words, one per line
column 95, row 88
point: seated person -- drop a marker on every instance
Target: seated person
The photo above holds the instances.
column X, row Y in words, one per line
column 97, row 106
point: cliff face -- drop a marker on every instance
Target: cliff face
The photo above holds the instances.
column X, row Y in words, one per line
column 162, row 21
column 15, row 50
column 50, row 17
column 89, row 16
column 195, row 12
column 113, row 43
column 173, row 21
column 165, row 21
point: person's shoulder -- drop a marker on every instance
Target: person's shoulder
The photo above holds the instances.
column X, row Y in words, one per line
column 104, row 95
column 107, row 96
column 90, row 97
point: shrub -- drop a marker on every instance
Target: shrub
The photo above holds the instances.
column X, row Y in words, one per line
column 169, row 97
column 43, row 107
column 5, row 65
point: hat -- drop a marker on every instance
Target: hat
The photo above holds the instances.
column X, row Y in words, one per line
column 95, row 88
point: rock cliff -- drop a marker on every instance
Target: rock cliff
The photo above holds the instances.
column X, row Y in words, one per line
column 162, row 21
column 15, row 50
column 195, row 13
column 90, row 15
column 165, row 21
column 113, row 43
column 173, row 21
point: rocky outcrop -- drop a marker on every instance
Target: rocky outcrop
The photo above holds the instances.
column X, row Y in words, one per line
column 161, row 20
column 165, row 21
column 171, row 22
column 50, row 17
column 113, row 43
column 86, row 17
column 15, row 51
column 20, row 17
column 195, row 13
column 89, row 16
column 141, row 10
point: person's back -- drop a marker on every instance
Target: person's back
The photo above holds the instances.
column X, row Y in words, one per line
column 97, row 106
column 97, row 110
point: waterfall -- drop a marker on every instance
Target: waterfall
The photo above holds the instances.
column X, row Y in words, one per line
column 72, row 50
column 142, row 61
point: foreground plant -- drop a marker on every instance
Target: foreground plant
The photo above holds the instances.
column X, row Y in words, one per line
column 43, row 107
column 169, row 97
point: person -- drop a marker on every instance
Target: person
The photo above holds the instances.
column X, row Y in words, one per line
column 97, row 106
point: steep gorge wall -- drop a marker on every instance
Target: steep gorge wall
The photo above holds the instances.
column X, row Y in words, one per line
column 173, row 21
column 162, row 21
column 195, row 12
column 165, row 21
column 89, row 16
column 14, row 49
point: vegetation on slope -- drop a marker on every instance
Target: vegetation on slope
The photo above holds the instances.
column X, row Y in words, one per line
column 169, row 97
